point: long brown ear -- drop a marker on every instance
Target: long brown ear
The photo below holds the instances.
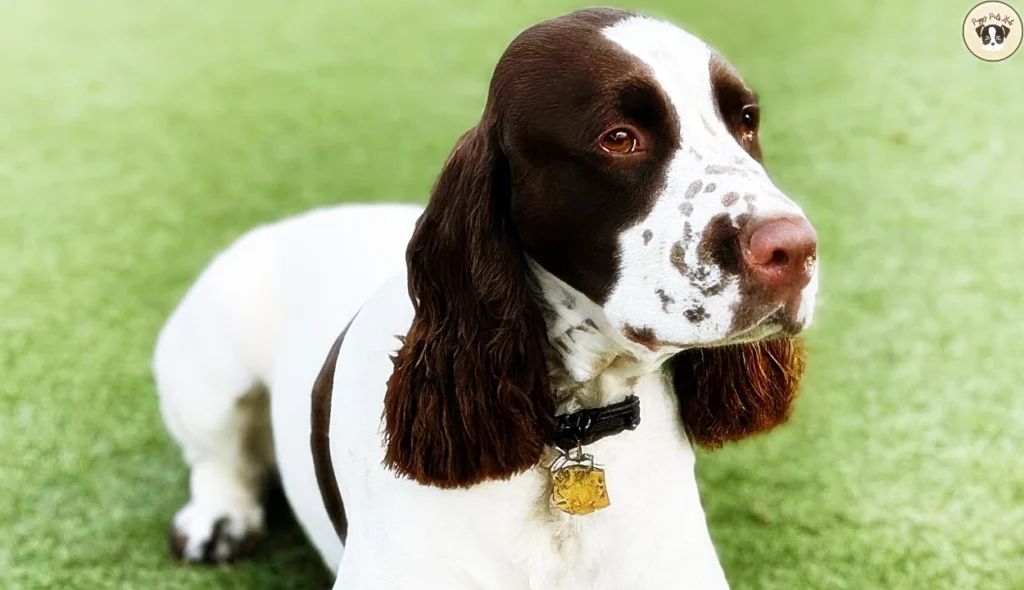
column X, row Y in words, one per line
column 469, row 398
column 732, row 392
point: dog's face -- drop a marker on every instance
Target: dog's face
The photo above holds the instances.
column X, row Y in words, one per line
column 620, row 154
column 636, row 178
column 992, row 36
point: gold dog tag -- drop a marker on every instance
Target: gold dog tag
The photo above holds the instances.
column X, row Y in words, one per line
column 579, row 489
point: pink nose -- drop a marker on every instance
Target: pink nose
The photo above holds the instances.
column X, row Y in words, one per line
column 781, row 251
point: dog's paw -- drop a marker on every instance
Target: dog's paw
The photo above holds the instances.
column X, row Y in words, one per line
column 215, row 535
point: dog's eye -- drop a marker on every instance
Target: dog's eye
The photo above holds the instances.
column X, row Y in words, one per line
column 751, row 117
column 619, row 141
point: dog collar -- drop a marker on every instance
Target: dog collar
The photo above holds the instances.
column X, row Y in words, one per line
column 573, row 431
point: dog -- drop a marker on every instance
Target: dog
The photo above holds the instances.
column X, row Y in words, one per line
column 604, row 277
column 992, row 36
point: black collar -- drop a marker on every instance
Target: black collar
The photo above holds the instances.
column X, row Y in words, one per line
column 589, row 426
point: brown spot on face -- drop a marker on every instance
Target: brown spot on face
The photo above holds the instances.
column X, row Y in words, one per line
column 677, row 256
column 696, row 315
column 648, row 234
column 720, row 245
column 714, row 290
column 710, row 188
column 644, row 336
column 686, row 209
column 569, row 302
column 693, row 189
column 720, row 169
column 750, row 198
column 687, row 234
column 730, row 199
column 666, row 300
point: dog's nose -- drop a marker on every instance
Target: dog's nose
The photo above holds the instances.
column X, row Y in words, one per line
column 781, row 252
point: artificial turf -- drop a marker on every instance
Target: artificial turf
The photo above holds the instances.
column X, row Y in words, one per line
column 138, row 138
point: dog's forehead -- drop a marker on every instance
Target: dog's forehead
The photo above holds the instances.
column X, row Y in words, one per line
column 689, row 71
column 679, row 61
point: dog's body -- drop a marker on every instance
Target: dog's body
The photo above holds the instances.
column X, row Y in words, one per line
column 547, row 274
column 267, row 311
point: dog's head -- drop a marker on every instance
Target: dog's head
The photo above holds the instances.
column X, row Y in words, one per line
column 620, row 155
column 992, row 36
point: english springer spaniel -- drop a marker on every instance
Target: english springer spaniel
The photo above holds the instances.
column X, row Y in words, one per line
column 604, row 276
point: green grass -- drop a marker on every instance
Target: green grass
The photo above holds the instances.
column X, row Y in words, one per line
column 137, row 138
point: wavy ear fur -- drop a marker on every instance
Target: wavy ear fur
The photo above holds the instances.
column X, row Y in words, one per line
column 469, row 398
column 732, row 392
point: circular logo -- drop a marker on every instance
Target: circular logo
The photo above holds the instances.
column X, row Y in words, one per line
column 993, row 31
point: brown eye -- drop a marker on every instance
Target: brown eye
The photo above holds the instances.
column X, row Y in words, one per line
column 751, row 117
column 619, row 141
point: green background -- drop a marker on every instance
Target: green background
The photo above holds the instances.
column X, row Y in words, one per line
column 138, row 138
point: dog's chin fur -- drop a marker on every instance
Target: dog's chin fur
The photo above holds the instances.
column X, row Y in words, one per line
column 731, row 392
column 992, row 47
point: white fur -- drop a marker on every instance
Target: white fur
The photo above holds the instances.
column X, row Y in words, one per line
column 402, row 534
column 680, row 63
column 263, row 316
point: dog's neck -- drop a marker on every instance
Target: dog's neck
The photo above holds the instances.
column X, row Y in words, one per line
column 592, row 363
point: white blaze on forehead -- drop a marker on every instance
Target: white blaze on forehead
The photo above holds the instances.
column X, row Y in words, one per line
column 663, row 284
column 679, row 62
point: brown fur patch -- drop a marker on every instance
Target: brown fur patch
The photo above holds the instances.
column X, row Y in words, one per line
column 731, row 96
column 320, row 440
column 642, row 335
column 720, row 169
column 732, row 392
column 469, row 398
column 693, row 189
column 696, row 315
column 665, row 298
column 677, row 256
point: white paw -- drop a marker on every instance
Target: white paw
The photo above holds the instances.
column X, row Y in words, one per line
column 205, row 533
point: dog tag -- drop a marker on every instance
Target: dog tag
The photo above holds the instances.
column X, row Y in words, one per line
column 579, row 489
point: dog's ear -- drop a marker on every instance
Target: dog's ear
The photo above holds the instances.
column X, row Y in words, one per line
column 979, row 30
column 469, row 398
column 1006, row 30
column 729, row 393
